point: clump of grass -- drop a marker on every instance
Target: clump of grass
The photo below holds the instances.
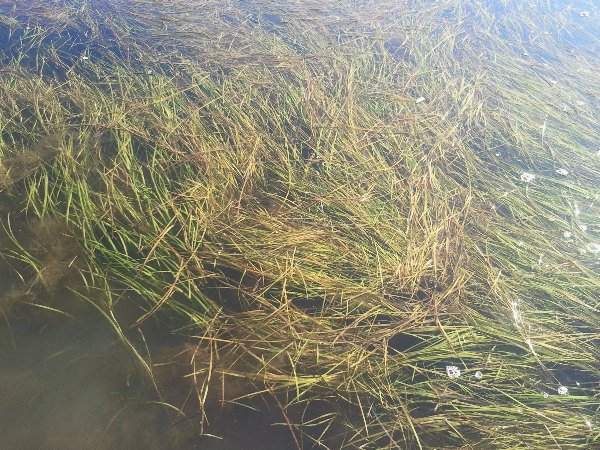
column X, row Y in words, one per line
column 334, row 218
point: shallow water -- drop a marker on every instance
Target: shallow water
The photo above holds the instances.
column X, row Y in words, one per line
column 68, row 381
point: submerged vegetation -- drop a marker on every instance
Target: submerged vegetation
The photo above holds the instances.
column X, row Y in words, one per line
column 380, row 217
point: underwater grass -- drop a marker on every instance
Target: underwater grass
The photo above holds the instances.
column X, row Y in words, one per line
column 329, row 220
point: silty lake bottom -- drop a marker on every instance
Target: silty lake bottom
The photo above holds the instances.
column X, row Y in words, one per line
column 299, row 225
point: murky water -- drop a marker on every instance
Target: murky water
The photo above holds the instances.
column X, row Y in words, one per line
column 67, row 381
column 68, row 384
column 71, row 384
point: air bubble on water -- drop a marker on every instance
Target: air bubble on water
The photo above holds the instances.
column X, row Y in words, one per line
column 452, row 371
column 527, row 177
column 563, row 390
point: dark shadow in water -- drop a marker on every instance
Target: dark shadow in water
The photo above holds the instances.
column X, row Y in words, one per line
column 54, row 53
column 274, row 19
column 401, row 342
column 397, row 50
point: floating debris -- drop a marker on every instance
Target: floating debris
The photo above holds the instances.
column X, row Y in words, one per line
column 583, row 227
column 562, row 172
column 584, row 14
column 545, row 394
column 527, row 177
column 544, row 127
column 478, row 375
column 580, row 103
column 452, row 371
column 576, row 210
column 567, row 234
column 530, row 345
column 562, row 390
column 85, row 58
column 516, row 313
column 420, row 100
